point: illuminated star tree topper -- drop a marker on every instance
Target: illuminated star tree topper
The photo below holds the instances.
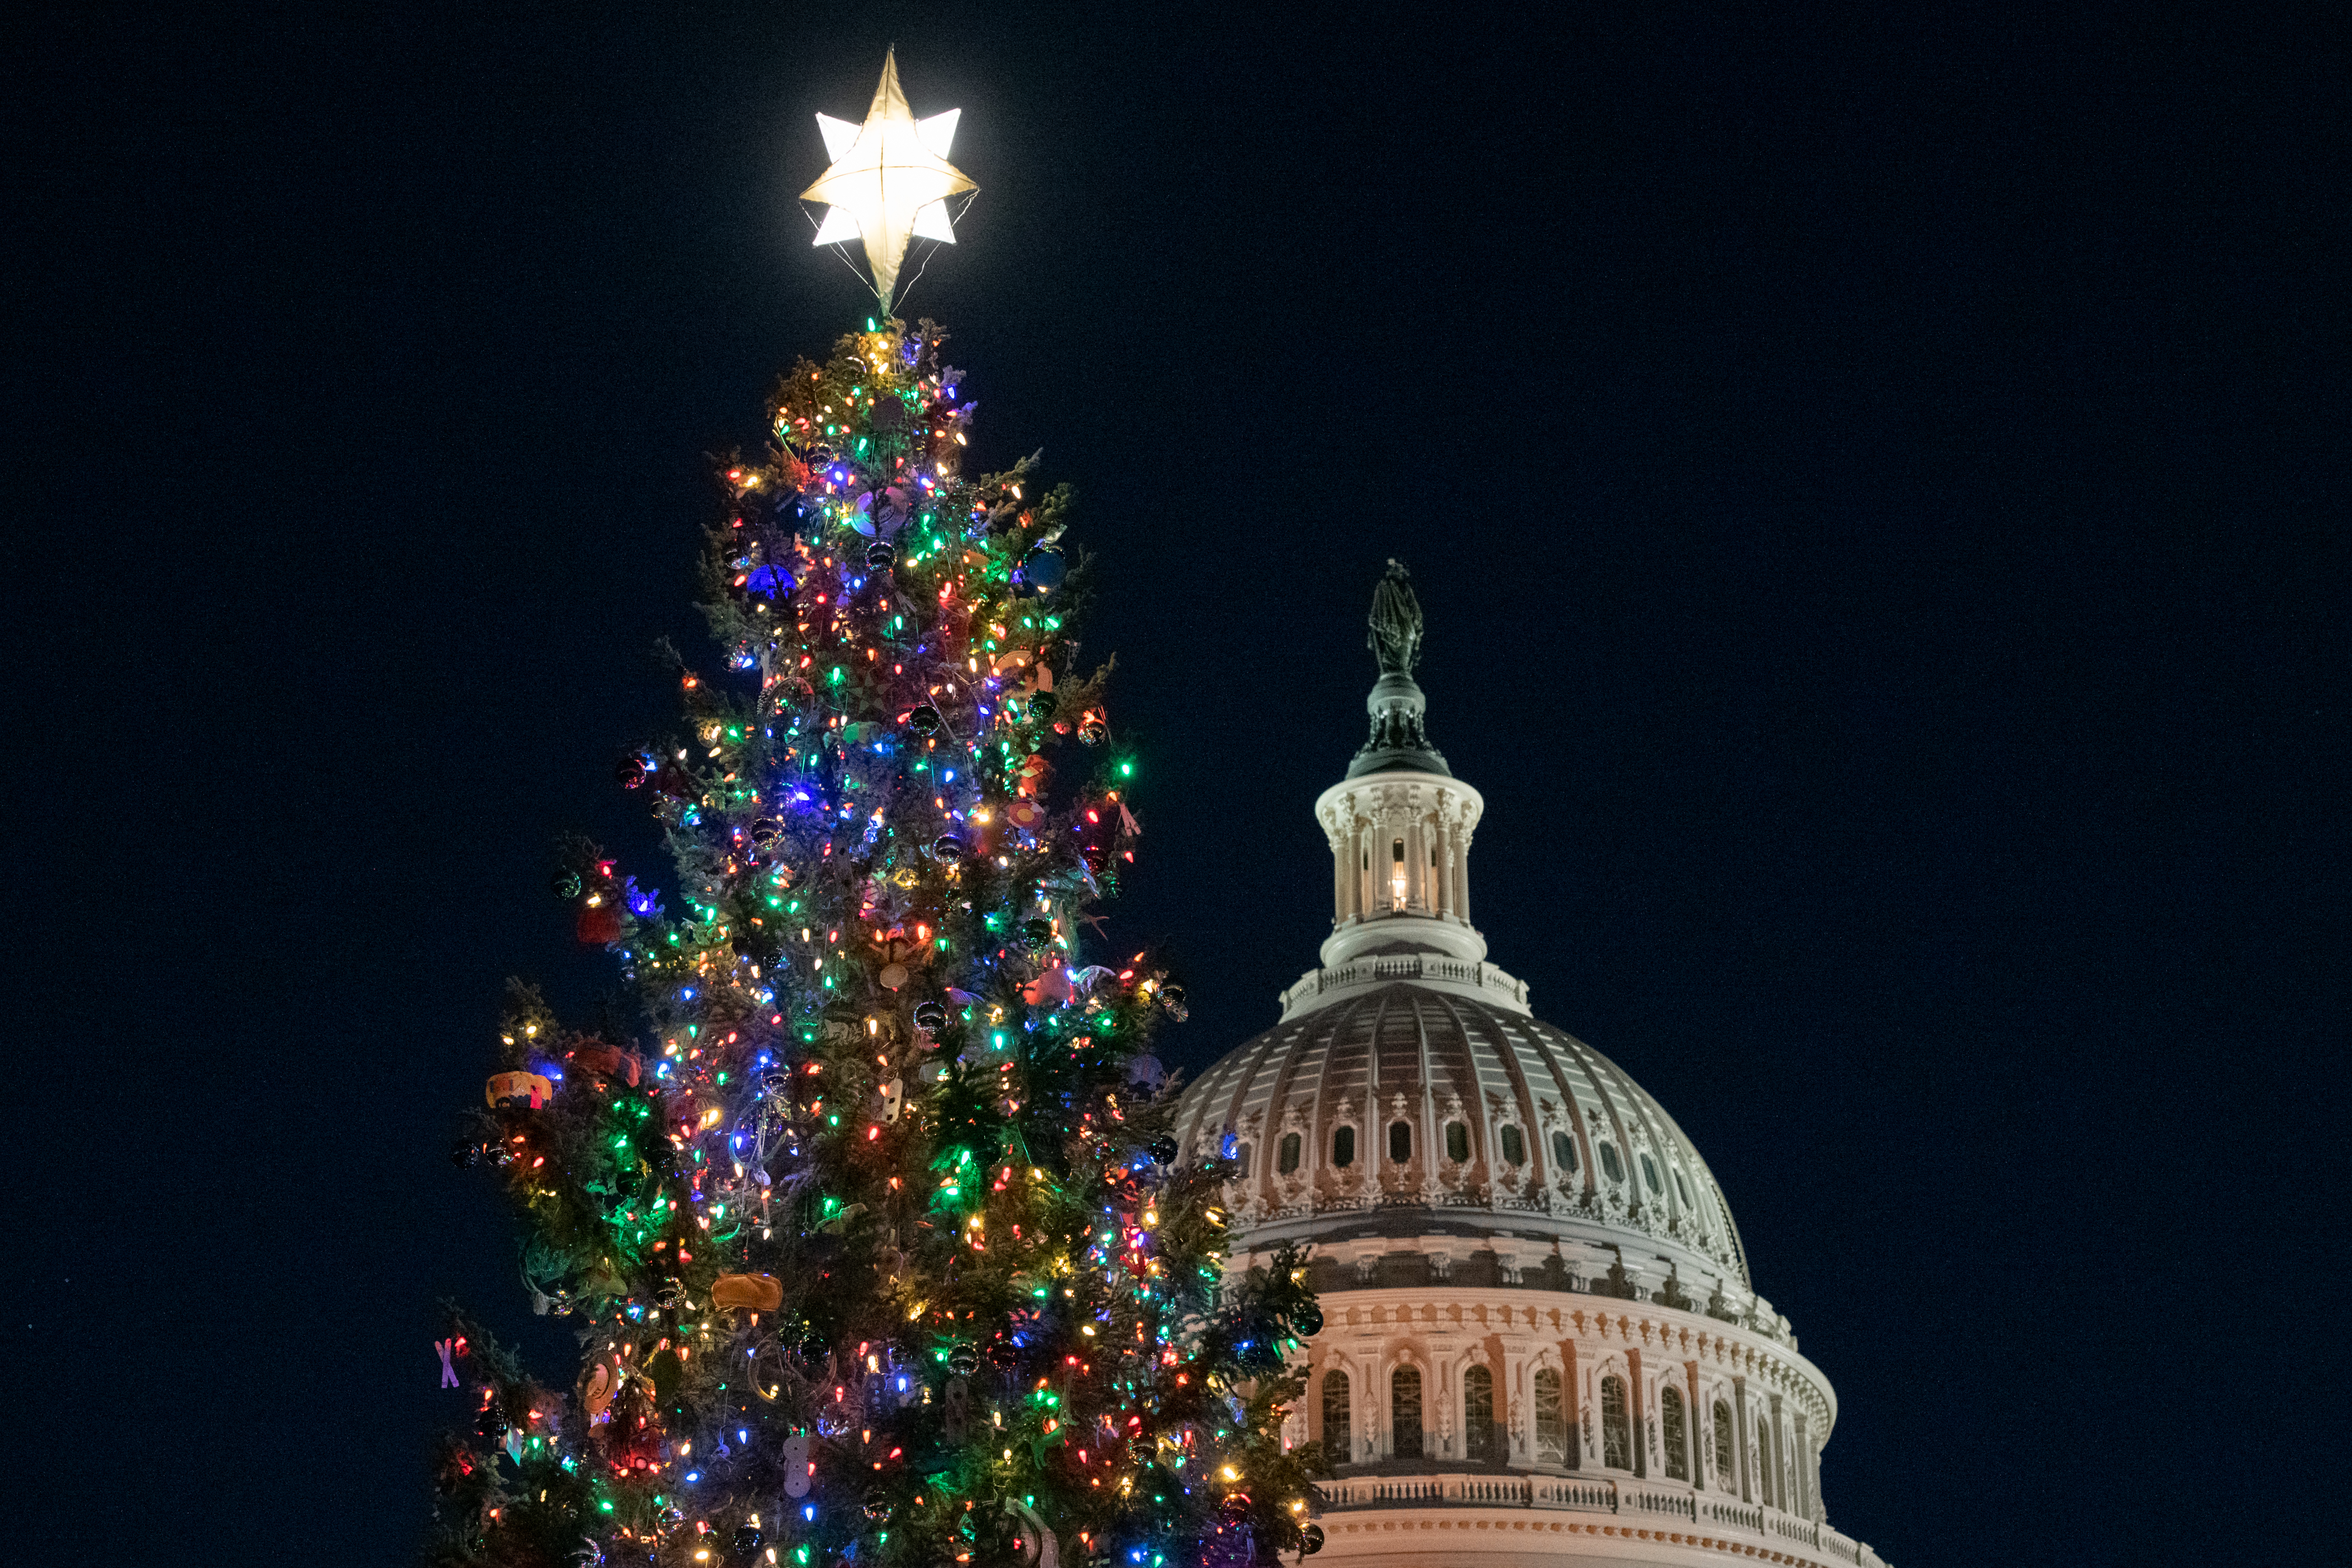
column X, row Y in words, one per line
column 889, row 181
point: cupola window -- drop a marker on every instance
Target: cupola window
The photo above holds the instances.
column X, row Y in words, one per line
column 1563, row 1153
column 1611, row 1166
column 1723, row 1442
column 1285, row 1157
column 1478, row 1416
column 1650, row 1176
column 1396, row 874
column 1672, row 1433
column 1515, row 1147
column 1551, row 1418
column 1616, row 1427
column 1405, row 1413
column 1337, row 1420
column 1399, row 1143
column 1241, row 1161
column 1457, row 1142
column 1683, row 1187
column 1343, row 1148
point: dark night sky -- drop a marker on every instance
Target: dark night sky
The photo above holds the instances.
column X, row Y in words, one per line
column 1877, row 486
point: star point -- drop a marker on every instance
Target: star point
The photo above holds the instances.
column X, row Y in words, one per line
column 890, row 180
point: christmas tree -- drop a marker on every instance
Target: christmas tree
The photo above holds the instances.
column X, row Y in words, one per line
column 878, row 1245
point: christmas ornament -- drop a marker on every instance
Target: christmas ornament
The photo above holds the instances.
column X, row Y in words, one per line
column 798, row 1470
column 1315, row 1539
column 890, row 180
column 948, row 847
column 1037, row 932
column 877, row 1505
column 1164, row 1150
column 1043, row 568
column 448, row 1372
column 930, row 1017
column 522, row 1088
column 748, row 1541
column 963, row 1360
column 599, row 922
column 924, row 719
column 564, row 885
column 1030, row 776
column 765, row 829
column 608, row 1062
column 1172, row 1001
column 492, row 1421
column 1092, row 730
column 758, row 1292
column 629, row 772
column 879, row 556
column 1307, row 1321
column 1024, row 814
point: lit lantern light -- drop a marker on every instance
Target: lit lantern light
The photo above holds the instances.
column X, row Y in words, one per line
column 890, row 180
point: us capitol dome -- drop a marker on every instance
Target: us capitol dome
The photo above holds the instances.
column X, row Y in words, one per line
column 1541, row 1343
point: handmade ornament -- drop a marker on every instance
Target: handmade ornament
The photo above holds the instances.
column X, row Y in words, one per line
column 1039, row 1549
column 609, row 1062
column 599, row 922
column 1052, row 984
column 757, row 1292
column 514, row 1444
column 1025, row 814
column 955, row 1410
column 798, row 1470
column 889, row 1098
column 447, row 1348
column 520, row 1089
column 1030, row 776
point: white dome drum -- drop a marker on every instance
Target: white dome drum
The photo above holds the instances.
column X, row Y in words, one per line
column 1541, row 1343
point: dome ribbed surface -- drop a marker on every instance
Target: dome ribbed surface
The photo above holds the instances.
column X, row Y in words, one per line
column 1509, row 1125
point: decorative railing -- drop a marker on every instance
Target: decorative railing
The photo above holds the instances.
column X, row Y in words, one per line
column 1408, row 966
column 1705, row 1513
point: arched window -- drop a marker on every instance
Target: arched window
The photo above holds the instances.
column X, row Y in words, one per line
column 1616, row 1430
column 1611, row 1166
column 1399, row 1143
column 1478, row 1416
column 1551, row 1418
column 1343, row 1148
column 1242, row 1161
column 1514, row 1148
column 1683, row 1187
column 1405, row 1413
column 1563, row 1153
column 1673, row 1433
column 1337, row 1418
column 1286, row 1155
column 1723, row 1443
column 1650, row 1176
column 1457, row 1142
